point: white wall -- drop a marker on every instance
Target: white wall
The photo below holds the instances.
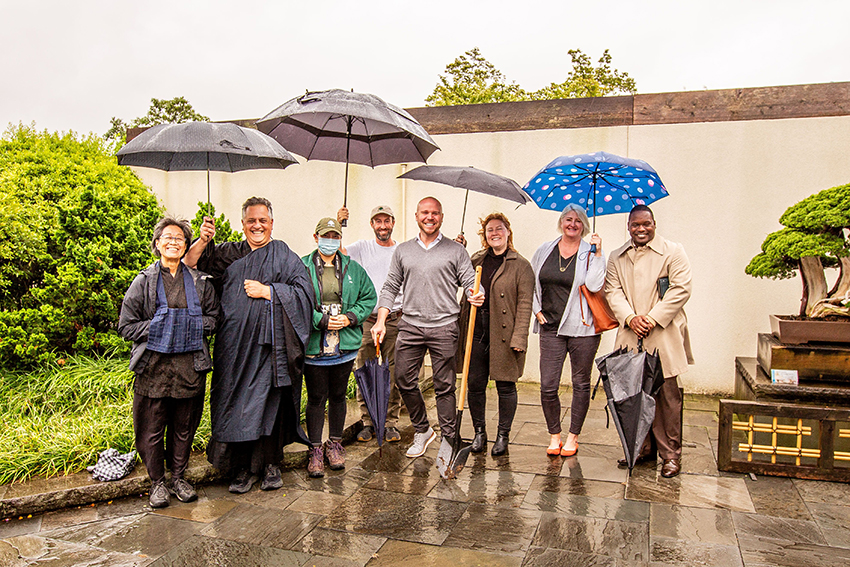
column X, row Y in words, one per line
column 728, row 181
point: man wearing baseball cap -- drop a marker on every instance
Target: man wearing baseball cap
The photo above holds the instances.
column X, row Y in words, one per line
column 374, row 254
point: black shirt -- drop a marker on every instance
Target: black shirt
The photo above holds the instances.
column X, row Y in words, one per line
column 556, row 280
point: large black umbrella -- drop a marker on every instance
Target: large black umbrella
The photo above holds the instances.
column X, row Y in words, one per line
column 470, row 179
column 345, row 126
column 373, row 380
column 199, row 146
column 631, row 379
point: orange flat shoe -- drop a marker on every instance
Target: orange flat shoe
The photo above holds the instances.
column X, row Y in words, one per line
column 554, row 452
column 565, row 453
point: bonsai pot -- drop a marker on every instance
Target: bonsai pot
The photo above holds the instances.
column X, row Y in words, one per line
column 798, row 331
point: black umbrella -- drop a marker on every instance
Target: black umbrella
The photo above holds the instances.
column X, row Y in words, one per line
column 470, row 179
column 199, row 146
column 631, row 379
column 344, row 126
column 373, row 379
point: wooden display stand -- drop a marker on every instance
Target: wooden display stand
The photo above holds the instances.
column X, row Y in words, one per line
column 800, row 431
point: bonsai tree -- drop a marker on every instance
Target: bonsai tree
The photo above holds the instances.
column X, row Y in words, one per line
column 815, row 237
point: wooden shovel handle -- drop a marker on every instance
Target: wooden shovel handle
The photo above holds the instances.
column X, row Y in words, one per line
column 461, row 398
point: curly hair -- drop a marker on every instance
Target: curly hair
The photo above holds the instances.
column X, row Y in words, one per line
column 498, row 217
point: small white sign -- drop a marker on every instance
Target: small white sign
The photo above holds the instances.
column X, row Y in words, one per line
column 784, row 377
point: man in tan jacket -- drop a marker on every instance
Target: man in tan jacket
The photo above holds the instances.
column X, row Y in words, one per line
column 647, row 284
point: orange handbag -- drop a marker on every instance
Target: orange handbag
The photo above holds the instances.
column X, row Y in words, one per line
column 603, row 318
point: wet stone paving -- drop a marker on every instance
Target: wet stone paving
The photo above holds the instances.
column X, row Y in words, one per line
column 523, row 508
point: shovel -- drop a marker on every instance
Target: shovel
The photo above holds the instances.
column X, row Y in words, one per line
column 459, row 448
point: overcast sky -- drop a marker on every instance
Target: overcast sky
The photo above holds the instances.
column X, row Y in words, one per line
column 72, row 64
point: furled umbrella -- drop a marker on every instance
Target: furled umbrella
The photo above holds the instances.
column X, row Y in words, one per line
column 345, row 126
column 630, row 380
column 373, row 381
column 602, row 183
column 471, row 179
column 200, row 146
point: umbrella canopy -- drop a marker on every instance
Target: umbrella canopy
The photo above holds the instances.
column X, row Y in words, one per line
column 631, row 379
column 373, row 380
column 199, row 146
column 470, row 179
column 204, row 146
column 602, row 183
column 344, row 126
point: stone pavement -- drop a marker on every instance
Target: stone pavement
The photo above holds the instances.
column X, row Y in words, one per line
column 520, row 509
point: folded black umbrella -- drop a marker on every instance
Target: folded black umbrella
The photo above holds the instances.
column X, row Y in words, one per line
column 630, row 380
column 373, row 380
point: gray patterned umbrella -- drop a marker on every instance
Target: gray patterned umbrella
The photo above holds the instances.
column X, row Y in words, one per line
column 344, row 126
column 204, row 146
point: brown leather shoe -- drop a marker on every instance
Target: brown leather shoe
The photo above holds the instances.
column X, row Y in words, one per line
column 670, row 468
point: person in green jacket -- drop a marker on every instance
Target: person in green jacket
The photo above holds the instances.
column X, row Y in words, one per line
column 345, row 297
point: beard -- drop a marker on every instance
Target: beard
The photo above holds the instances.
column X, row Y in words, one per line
column 383, row 236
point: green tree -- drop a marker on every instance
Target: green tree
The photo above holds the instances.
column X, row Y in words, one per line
column 586, row 81
column 471, row 79
column 223, row 231
column 172, row 111
column 814, row 238
column 75, row 229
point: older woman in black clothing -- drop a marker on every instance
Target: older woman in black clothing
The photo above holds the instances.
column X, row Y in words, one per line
column 564, row 321
column 168, row 312
column 500, row 338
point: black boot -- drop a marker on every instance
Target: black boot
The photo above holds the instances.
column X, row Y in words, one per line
column 500, row 445
column 479, row 443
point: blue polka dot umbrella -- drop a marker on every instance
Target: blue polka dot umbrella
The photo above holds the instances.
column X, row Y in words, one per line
column 602, row 183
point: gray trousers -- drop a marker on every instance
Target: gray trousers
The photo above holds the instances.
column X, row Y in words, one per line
column 553, row 353
column 412, row 344
column 367, row 351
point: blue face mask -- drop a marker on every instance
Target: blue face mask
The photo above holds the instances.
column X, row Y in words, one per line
column 329, row 246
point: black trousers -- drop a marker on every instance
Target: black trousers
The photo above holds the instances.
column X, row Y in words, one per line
column 479, row 375
column 165, row 429
column 326, row 385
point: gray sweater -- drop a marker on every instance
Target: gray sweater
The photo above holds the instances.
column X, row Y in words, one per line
column 430, row 278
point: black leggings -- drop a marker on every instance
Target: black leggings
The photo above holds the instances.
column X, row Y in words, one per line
column 479, row 375
column 326, row 384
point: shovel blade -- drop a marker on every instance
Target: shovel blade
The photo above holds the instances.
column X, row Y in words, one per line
column 450, row 461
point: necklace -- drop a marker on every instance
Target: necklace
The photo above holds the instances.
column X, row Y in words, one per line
column 564, row 268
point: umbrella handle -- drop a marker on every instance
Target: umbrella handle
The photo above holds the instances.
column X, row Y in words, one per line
column 468, row 350
column 378, row 351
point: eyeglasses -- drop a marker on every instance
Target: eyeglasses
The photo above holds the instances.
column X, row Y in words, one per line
column 172, row 239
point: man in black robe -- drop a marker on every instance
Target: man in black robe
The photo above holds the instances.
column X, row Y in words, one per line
column 266, row 304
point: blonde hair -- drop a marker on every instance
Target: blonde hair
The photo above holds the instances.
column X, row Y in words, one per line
column 498, row 217
column 582, row 216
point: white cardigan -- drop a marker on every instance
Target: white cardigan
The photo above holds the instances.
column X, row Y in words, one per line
column 593, row 277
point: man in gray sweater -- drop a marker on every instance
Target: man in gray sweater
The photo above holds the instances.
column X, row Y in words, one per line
column 431, row 268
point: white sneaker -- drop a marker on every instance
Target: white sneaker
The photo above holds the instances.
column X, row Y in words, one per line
column 420, row 443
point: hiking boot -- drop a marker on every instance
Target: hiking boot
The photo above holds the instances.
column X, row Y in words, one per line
column 420, row 443
column 316, row 464
column 391, row 435
column 243, row 482
column 271, row 479
column 366, row 433
column 182, row 490
column 159, row 497
column 335, row 453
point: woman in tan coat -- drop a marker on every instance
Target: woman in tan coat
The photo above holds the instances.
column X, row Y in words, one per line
column 500, row 337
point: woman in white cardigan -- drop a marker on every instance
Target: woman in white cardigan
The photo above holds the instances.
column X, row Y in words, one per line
column 564, row 321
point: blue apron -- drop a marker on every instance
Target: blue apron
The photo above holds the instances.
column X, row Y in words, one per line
column 175, row 330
